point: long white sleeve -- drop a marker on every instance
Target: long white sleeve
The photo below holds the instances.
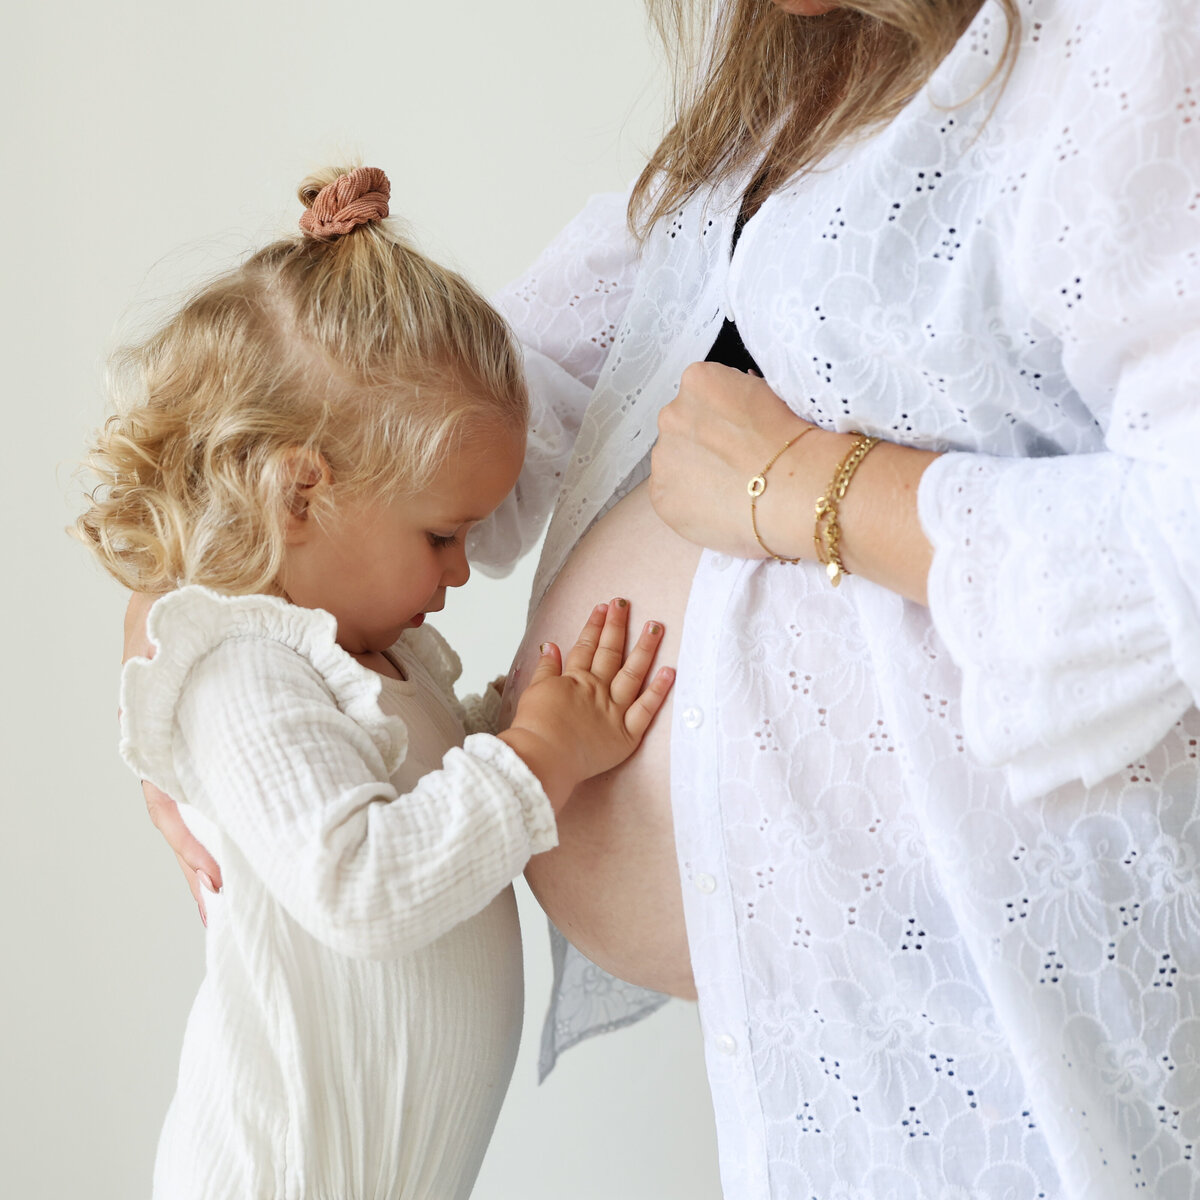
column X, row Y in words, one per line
column 250, row 713
column 565, row 310
column 568, row 305
column 1068, row 587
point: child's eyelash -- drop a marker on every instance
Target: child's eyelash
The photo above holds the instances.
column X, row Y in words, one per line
column 440, row 542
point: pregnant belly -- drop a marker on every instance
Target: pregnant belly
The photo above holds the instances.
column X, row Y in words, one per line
column 612, row 884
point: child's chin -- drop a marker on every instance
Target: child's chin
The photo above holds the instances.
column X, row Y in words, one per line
column 417, row 621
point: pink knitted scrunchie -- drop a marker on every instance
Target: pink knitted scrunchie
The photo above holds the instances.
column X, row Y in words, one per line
column 350, row 200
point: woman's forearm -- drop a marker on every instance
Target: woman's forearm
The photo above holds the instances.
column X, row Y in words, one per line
column 880, row 533
column 724, row 427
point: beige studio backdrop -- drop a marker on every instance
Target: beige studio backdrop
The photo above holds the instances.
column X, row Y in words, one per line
column 144, row 143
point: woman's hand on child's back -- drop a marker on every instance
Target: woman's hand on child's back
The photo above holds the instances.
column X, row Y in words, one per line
column 199, row 867
column 583, row 717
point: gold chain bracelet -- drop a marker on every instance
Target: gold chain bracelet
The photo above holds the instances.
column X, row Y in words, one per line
column 827, row 531
column 758, row 485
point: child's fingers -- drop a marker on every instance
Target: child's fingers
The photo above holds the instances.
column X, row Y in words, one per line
column 642, row 711
column 549, row 663
column 627, row 682
column 579, row 657
column 610, row 651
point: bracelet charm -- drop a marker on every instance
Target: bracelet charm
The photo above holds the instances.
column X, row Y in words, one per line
column 758, row 485
column 827, row 531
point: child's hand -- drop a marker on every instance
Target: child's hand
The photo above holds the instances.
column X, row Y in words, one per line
column 578, row 721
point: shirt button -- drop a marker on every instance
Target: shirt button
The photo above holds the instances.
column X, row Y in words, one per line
column 725, row 1044
column 719, row 562
column 705, row 883
column 693, row 718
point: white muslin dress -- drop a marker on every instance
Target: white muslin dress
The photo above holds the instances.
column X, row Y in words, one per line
column 941, row 866
column 358, row 1020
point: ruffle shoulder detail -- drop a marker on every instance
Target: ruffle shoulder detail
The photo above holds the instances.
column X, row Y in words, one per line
column 436, row 655
column 188, row 625
column 478, row 714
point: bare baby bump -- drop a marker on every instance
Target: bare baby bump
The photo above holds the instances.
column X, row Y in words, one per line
column 612, row 885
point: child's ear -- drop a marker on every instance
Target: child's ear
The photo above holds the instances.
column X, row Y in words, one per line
column 304, row 475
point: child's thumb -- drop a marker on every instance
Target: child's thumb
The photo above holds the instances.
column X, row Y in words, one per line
column 549, row 663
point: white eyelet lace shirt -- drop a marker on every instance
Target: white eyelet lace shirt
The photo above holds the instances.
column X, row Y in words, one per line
column 941, row 866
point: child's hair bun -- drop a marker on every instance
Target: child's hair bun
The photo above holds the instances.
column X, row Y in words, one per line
column 350, row 199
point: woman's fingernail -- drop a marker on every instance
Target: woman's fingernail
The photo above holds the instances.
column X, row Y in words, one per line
column 654, row 628
column 206, row 881
column 203, row 915
column 544, row 648
column 620, row 603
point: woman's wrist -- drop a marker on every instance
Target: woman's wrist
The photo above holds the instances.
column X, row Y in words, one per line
column 786, row 513
column 880, row 535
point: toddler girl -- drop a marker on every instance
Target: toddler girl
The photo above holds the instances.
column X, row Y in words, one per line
column 309, row 442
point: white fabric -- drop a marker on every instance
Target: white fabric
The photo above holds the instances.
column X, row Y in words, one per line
column 945, row 927
column 358, row 1020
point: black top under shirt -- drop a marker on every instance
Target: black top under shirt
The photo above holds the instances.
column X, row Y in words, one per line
column 729, row 349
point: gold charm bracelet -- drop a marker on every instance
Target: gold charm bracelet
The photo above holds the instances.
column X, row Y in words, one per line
column 827, row 532
column 758, row 485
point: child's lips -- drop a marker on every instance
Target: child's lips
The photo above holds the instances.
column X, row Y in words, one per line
column 437, row 606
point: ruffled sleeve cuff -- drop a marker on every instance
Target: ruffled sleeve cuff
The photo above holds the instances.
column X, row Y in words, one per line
column 187, row 625
column 1040, row 593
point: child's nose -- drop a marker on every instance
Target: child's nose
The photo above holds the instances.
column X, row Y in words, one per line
column 458, row 570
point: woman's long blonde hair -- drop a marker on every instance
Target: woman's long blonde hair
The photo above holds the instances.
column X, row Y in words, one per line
column 786, row 90
column 358, row 348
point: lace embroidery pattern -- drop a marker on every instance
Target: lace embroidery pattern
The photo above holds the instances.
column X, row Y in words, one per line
column 950, row 948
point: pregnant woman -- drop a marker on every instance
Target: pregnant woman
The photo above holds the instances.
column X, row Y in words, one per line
column 932, row 833
column 940, row 865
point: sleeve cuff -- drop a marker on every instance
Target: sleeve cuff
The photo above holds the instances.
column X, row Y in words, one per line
column 537, row 814
column 1041, row 598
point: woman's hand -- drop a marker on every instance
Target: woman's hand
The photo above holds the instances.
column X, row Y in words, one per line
column 581, row 718
column 722, row 429
column 199, row 867
column 712, row 439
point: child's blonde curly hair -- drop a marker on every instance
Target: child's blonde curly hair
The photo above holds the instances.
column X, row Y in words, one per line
column 353, row 345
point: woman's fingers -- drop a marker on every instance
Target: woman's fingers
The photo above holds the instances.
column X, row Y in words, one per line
column 195, row 886
column 137, row 642
column 628, row 681
column 642, row 711
column 200, row 869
